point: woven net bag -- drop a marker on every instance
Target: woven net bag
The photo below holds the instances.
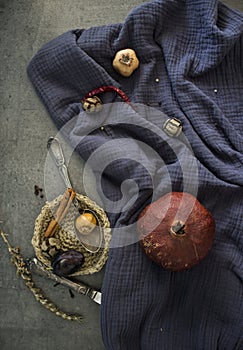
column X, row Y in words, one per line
column 65, row 238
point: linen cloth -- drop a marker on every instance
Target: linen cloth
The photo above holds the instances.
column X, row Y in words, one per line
column 191, row 60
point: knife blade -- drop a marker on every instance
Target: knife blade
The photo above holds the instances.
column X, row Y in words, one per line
column 36, row 266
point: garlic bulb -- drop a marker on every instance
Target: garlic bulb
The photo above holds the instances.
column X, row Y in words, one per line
column 125, row 62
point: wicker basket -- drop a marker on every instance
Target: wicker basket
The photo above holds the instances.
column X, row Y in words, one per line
column 65, row 237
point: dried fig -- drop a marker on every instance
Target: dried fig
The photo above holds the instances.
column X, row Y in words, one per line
column 125, row 62
column 176, row 231
column 66, row 263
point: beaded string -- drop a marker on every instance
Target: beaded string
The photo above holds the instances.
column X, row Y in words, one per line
column 108, row 88
column 22, row 270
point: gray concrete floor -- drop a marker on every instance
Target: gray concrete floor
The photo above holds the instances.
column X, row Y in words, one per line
column 25, row 127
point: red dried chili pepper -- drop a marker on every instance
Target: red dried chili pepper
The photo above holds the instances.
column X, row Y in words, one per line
column 107, row 89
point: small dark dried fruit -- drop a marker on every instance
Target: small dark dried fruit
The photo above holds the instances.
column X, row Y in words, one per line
column 67, row 263
column 176, row 231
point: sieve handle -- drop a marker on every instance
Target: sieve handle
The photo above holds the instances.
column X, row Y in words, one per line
column 55, row 150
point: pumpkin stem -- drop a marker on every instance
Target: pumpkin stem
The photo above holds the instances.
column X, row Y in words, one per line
column 178, row 228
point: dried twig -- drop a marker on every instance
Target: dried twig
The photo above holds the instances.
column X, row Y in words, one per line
column 23, row 271
column 61, row 212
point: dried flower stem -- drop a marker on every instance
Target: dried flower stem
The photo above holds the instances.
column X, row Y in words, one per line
column 22, row 270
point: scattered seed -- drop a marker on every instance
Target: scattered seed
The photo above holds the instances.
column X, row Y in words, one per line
column 38, row 191
column 71, row 293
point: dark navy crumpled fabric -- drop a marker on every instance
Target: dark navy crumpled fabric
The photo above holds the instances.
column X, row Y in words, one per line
column 195, row 49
